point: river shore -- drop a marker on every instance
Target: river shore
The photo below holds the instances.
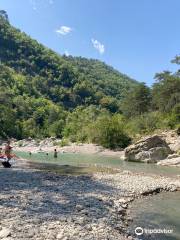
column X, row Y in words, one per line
column 43, row 205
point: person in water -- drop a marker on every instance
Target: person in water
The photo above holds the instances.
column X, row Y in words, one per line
column 8, row 150
column 55, row 153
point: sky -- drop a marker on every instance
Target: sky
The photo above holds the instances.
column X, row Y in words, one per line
column 136, row 37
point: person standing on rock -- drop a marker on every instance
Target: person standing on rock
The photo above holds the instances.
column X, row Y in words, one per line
column 55, row 153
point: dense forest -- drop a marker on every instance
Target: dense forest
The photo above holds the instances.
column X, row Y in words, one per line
column 44, row 94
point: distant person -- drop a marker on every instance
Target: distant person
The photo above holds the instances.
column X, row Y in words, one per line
column 8, row 150
column 55, row 153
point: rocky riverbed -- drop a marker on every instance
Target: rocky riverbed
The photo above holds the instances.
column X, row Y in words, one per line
column 43, row 206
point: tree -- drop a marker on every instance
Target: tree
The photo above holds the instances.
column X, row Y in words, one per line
column 4, row 15
column 166, row 90
column 109, row 132
column 137, row 101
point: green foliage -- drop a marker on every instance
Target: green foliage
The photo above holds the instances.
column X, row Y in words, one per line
column 137, row 101
column 166, row 91
column 3, row 15
column 64, row 142
column 77, row 122
column 110, row 132
column 43, row 94
column 173, row 118
column 101, row 77
column 146, row 123
column 67, row 81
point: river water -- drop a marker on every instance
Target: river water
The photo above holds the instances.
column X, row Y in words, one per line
column 158, row 212
column 161, row 211
column 74, row 159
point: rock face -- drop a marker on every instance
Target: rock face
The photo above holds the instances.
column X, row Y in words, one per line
column 149, row 149
column 172, row 160
column 173, row 140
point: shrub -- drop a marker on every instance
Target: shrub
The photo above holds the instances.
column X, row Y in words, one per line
column 174, row 117
column 146, row 123
column 64, row 142
column 109, row 132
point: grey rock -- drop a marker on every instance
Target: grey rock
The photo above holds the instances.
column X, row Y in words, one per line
column 170, row 162
column 5, row 232
column 60, row 236
column 79, row 207
column 173, row 156
column 148, row 149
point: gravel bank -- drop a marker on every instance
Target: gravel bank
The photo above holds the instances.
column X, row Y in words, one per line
column 43, row 206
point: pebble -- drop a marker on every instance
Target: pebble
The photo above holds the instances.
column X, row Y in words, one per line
column 45, row 206
column 5, row 232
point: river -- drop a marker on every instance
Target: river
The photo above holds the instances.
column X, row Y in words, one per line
column 86, row 160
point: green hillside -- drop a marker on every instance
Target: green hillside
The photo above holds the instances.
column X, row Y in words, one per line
column 66, row 80
column 44, row 94
column 35, row 81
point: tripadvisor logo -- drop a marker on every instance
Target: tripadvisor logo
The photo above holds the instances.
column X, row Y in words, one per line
column 140, row 231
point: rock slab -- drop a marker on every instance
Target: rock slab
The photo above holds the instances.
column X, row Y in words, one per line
column 148, row 149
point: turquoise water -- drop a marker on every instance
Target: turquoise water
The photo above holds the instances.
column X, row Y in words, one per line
column 97, row 160
column 157, row 212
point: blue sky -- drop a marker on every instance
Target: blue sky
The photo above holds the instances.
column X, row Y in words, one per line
column 137, row 37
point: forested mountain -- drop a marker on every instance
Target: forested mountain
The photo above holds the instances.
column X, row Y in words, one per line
column 45, row 94
column 39, row 87
column 65, row 80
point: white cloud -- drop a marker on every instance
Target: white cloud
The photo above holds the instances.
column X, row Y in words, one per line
column 66, row 53
column 64, row 30
column 33, row 4
column 97, row 45
column 36, row 4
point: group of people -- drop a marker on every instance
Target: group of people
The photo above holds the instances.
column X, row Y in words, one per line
column 55, row 153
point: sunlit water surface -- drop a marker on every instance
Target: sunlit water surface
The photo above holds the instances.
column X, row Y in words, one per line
column 98, row 160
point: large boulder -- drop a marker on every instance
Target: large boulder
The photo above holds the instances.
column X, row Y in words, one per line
column 149, row 149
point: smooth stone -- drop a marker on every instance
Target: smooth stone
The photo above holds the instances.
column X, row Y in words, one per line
column 5, row 232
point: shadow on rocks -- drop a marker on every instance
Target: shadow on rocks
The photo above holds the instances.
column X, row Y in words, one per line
column 45, row 196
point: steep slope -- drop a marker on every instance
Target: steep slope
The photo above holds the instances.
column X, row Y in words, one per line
column 109, row 81
column 38, row 87
column 67, row 80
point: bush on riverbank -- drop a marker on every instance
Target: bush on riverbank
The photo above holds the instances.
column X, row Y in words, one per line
column 109, row 132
